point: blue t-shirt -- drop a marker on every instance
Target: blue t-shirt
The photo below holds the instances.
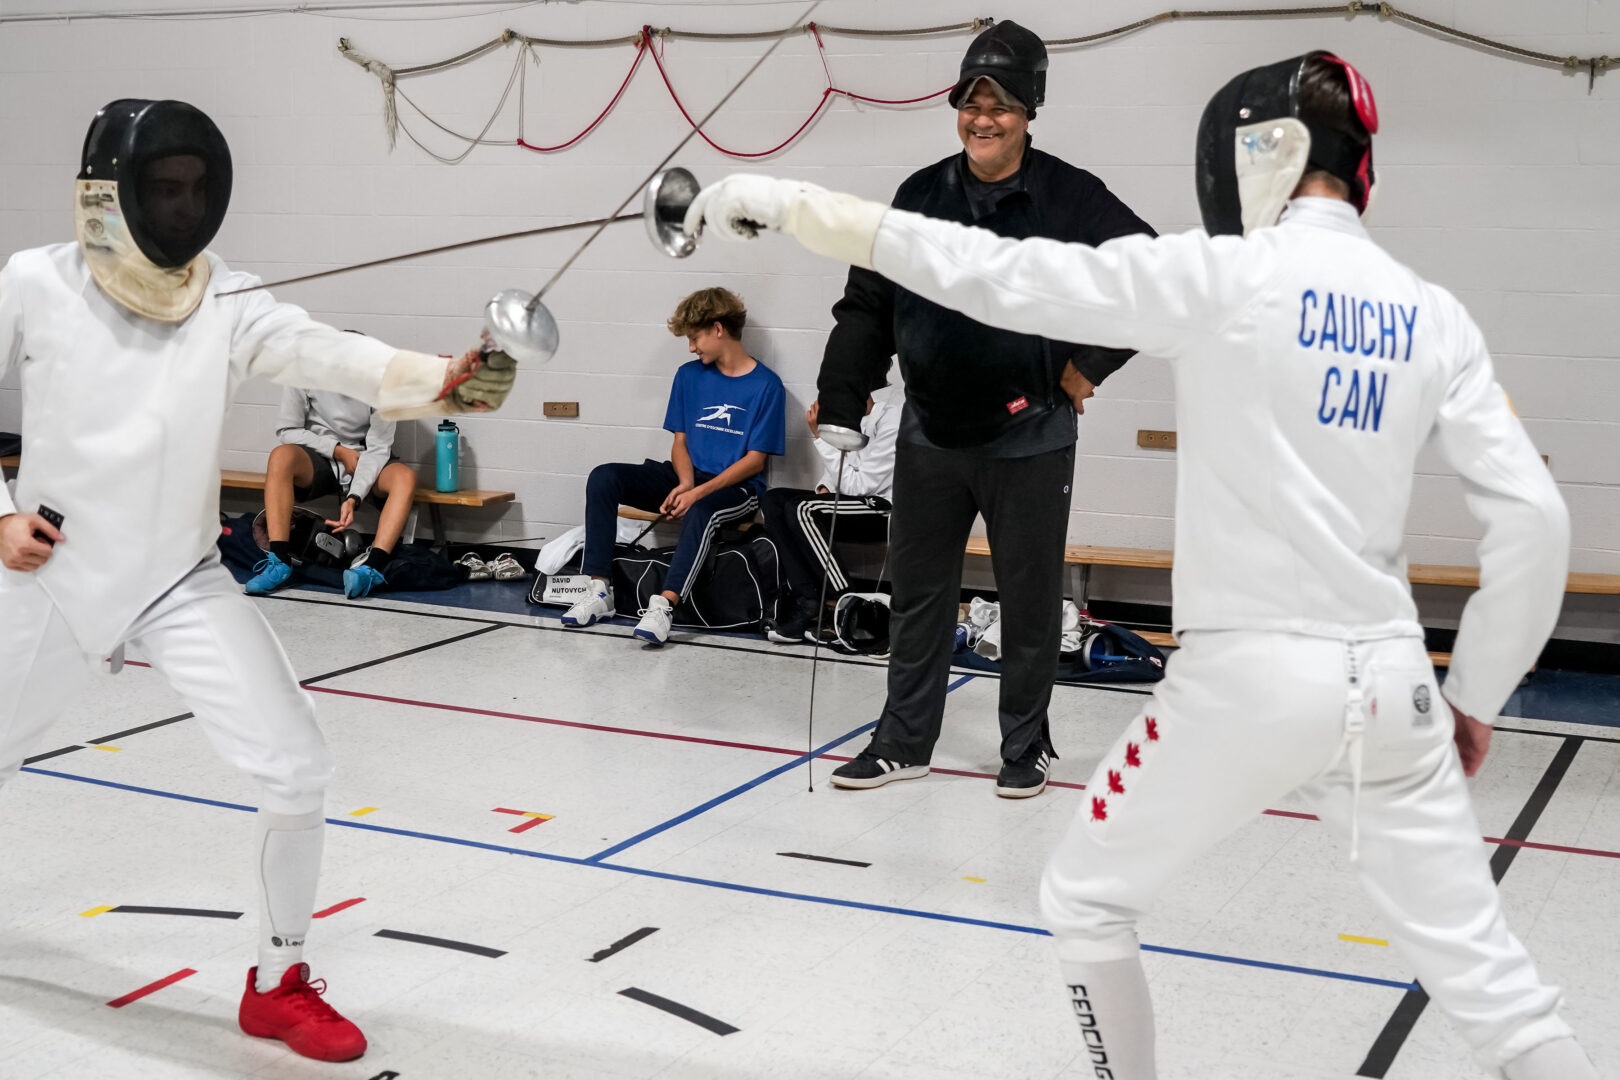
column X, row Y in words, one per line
column 726, row 416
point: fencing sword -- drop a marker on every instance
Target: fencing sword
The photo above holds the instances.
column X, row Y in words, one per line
column 523, row 326
column 843, row 440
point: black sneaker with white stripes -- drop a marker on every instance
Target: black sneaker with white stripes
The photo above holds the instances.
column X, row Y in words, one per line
column 1025, row 777
column 868, row 771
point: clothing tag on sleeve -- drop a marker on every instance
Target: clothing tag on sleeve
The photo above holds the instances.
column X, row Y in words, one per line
column 1017, row 406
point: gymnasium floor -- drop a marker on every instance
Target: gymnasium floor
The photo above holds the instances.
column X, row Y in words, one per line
column 619, row 872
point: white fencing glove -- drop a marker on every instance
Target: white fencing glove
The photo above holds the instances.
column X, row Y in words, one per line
column 829, row 223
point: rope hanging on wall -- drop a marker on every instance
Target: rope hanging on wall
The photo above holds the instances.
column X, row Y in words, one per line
column 644, row 43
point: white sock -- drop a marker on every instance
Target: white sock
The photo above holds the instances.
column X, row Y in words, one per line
column 1560, row 1059
column 289, row 866
column 1111, row 1002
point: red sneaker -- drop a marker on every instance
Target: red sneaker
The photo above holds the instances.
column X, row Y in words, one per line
column 294, row 1013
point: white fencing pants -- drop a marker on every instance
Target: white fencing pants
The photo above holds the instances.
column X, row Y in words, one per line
column 1243, row 718
column 213, row 647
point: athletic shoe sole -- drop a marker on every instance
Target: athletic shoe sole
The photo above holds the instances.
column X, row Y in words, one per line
column 1020, row 792
column 575, row 624
column 649, row 637
column 909, row 772
column 775, row 635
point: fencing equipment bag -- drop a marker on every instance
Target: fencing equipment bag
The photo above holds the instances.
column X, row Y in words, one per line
column 861, row 623
column 1253, row 147
column 154, row 183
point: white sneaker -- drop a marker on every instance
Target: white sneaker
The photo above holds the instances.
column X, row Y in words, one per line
column 477, row 569
column 654, row 625
column 506, row 568
column 594, row 608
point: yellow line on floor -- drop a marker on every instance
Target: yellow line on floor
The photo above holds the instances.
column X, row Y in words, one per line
column 979, row 880
column 97, row 910
column 1363, row 940
column 106, row 747
column 546, row 817
column 362, row 812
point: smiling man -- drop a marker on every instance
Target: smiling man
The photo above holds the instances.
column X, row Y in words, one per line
column 989, row 422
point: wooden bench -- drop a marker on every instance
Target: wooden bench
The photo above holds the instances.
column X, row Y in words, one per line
column 11, row 461
column 434, row 500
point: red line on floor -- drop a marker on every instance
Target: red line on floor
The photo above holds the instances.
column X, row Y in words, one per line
column 827, row 757
column 531, row 823
column 504, row 810
column 151, row 988
column 335, row 908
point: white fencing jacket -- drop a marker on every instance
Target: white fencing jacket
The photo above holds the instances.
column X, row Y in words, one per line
column 1310, row 369
column 122, row 418
column 869, row 470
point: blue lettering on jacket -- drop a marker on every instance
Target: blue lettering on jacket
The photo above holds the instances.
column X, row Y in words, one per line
column 1411, row 324
column 1386, row 332
column 1359, row 404
column 1307, row 300
column 1323, row 413
column 1367, row 345
column 1347, row 320
column 1349, row 325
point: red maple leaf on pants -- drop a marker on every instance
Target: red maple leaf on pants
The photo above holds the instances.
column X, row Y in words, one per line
column 1115, row 785
column 1133, row 755
column 1099, row 809
column 1152, row 729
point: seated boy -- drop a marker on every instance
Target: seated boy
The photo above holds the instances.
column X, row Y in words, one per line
column 332, row 444
column 725, row 410
column 799, row 521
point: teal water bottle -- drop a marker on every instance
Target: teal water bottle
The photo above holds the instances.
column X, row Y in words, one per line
column 447, row 454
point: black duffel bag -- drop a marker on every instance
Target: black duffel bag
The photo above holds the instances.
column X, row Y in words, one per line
column 734, row 591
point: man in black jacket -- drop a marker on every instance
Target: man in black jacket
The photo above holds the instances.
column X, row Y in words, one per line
column 988, row 427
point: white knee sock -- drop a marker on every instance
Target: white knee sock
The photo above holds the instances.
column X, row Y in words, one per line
column 1111, row 1002
column 1560, row 1059
column 289, row 866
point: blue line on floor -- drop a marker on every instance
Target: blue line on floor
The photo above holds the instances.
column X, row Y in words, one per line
column 741, row 788
column 755, row 890
column 793, row 763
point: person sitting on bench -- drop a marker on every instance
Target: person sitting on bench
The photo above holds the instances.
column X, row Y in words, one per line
column 799, row 521
column 726, row 413
column 332, row 445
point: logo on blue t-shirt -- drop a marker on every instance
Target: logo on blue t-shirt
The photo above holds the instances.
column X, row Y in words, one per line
column 721, row 413
column 724, row 416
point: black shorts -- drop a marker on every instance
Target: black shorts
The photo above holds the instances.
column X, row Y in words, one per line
column 325, row 481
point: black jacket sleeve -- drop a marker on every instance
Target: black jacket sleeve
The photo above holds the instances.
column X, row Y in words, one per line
column 859, row 348
column 1105, row 218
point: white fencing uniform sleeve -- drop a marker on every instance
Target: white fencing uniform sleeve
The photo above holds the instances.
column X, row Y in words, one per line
column 1155, row 294
column 379, row 444
column 290, row 429
column 282, row 342
column 11, row 344
column 871, row 470
column 1524, row 554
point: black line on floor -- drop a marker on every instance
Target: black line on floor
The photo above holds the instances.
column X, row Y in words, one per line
column 822, row 858
column 352, row 668
column 386, row 1074
column 439, row 942
column 201, row 913
column 51, row 754
column 1559, row 734
column 675, row 1008
column 622, row 944
column 1400, row 1023
column 143, row 727
column 779, row 653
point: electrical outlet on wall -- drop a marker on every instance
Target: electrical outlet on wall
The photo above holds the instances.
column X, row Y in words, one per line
column 562, row 408
column 1156, row 440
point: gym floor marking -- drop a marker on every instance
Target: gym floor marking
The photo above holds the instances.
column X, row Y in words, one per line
column 975, row 880
column 363, row 811
column 200, row 913
column 151, row 988
column 675, row 1008
column 335, row 908
column 1363, row 940
column 622, row 944
column 441, row 943
column 97, row 746
column 93, row 912
column 823, row 858
column 535, row 819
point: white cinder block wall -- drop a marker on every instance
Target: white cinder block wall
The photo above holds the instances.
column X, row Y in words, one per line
column 1500, row 180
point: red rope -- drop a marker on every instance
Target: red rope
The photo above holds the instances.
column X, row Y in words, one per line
column 826, row 95
column 641, row 50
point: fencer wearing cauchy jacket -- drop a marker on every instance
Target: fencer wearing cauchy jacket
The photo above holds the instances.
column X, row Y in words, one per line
column 1310, row 367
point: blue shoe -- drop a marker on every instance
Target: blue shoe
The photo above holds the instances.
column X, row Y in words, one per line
column 269, row 575
column 360, row 581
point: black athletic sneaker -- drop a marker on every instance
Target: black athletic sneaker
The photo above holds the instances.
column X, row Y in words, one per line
column 1025, row 777
column 868, row 770
column 796, row 626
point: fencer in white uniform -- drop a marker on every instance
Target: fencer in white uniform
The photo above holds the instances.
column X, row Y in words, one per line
column 1310, row 369
column 128, row 360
